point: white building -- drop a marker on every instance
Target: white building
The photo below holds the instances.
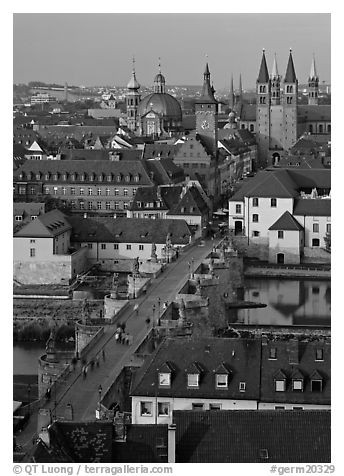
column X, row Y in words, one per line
column 300, row 196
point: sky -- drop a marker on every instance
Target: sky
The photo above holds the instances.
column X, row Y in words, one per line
column 97, row 48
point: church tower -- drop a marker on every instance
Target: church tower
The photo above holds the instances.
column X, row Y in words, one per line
column 276, row 110
column 231, row 100
column 290, row 92
column 206, row 108
column 132, row 100
column 263, row 95
column 159, row 82
column 313, row 85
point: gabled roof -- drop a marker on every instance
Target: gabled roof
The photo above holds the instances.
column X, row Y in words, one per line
column 290, row 76
column 45, row 226
column 148, row 195
column 263, row 75
column 129, row 230
column 164, row 151
column 310, row 113
column 267, row 184
column 241, row 355
column 312, row 207
column 163, row 171
column 121, row 168
column 307, row 364
column 191, row 203
column 283, row 183
column 286, row 222
column 28, row 208
column 251, row 436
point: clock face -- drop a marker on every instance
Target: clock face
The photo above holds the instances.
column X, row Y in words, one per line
column 205, row 125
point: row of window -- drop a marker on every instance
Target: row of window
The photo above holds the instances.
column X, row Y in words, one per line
column 103, row 246
column 100, row 205
column 73, row 191
column 298, row 385
column 194, row 165
column 319, row 353
column 193, row 381
column 164, row 408
column 82, row 177
column 255, row 202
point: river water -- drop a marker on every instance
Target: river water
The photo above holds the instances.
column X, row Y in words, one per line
column 289, row 302
column 25, row 358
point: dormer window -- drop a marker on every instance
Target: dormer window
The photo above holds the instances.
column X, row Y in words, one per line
column 64, row 177
column 55, row 176
column 136, row 178
column 280, row 381
column 100, row 178
column 47, row 176
column 297, row 385
column 193, row 380
column 91, row 178
column 119, row 178
column 82, row 177
column 164, row 379
column 164, row 375
column 193, row 375
column 109, row 178
column 221, row 381
column 316, row 381
column 242, row 386
column 73, row 177
column 127, row 178
column 38, row 176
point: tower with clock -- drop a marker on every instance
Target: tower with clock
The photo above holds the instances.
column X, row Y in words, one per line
column 206, row 108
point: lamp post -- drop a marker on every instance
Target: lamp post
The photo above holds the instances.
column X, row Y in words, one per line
column 28, row 398
column 153, row 308
column 159, row 302
column 100, row 389
column 134, row 289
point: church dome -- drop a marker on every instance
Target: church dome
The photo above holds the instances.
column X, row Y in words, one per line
column 159, row 78
column 133, row 83
column 161, row 103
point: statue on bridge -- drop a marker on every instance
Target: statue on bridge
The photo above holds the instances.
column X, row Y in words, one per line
column 114, row 291
column 136, row 267
column 154, row 256
column 85, row 311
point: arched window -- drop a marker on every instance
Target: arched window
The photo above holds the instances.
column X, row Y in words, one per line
column 310, row 128
column 321, row 128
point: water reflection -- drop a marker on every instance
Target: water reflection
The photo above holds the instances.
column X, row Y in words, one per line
column 290, row 302
column 25, row 358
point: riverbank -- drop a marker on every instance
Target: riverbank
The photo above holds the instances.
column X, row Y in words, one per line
column 287, row 272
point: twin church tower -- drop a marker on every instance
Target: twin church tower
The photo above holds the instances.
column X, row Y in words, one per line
column 276, row 118
column 277, row 105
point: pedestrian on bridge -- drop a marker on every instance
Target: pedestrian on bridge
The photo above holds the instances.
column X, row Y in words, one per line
column 136, row 309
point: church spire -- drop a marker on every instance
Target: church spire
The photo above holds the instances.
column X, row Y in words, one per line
column 290, row 76
column 313, row 75
column 240, row 85
column 231, row 94
column 207, row 90
column 133, row 83
column 263, row 76
column 274, row 72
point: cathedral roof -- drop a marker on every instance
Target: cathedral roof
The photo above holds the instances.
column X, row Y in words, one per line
column 263, row 76
column 161, row 103
column 290, row 76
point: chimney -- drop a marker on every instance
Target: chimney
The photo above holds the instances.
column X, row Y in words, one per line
column 171, row 443
column 293, row 351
